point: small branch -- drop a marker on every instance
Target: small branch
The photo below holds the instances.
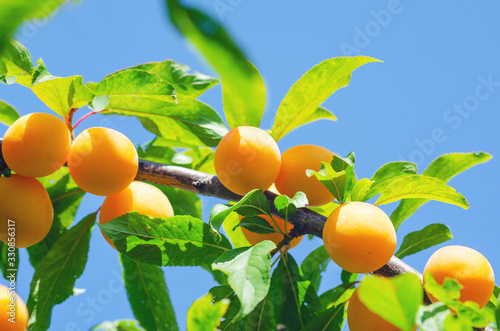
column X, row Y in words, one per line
column 69, row 121
column 85, row 116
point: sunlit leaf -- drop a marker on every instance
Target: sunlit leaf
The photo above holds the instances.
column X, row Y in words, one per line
column 170, row 241
column 444, row 167
column 252, row 204
column 249, row 273
column 394, row 299
column 16, row 59
column 311, row 90
column 178, row 75
column 414, row 242
column 8, row 114
column 420, row 186
column 243, row 88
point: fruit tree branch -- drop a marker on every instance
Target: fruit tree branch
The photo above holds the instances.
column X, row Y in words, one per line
column 305, row 221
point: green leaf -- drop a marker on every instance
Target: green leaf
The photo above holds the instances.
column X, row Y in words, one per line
column 8, row 114
column 252, row 204
column 40, row 73
column 453, row 323
column 135, row 85
column 449, row 293
column 325, row 210
column 311, row 90
column 203, row 159
column 388, row 174
column 99, row 103
column 171, row 241
column 256, row 224
column 178, row 75
column 348, row 277
column 243, row 95
column 394, row 299
column 9, row 261
column 261, row 318
column 444, row 167
column 17, row 60
column 3, row 70
column 320, row 113
column 331, row 319
column 286, row 206
column 431, row 318
column 162, row 150
column 288, row 293
column 337, row 295
column 148, row 295
column 65, row 196
column 183, row 202
column 55, row 275
column 345, row 164
column 61, row 94
column 204, row 315
column 314, row 265
column 234, row 232
column 360, row 189
column 414, row 242
column 14, row 12
column 243, row 88
column 497, row 315
column 189, row 121
column 232, row 317
column 420, row 186
column 249, row 273
column 334, row 181
column 124, row 325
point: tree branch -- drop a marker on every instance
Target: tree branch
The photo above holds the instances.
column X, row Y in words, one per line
column 305, row 221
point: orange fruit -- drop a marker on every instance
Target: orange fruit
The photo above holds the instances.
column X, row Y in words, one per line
column 26, row 203
column 143, row 198
column 292, row 176
column 103, row 161
column 276, row 237
column 36, row 145
column 247, row 158
column 466, row 265
column 359, row 237
column 360, row 318
column 13, row 311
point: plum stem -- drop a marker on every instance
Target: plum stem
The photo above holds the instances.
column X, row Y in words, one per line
column 85, row 116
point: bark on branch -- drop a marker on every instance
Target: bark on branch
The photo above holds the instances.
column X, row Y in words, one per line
column 305, row 221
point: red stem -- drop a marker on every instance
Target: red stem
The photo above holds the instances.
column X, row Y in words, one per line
column 85, row 116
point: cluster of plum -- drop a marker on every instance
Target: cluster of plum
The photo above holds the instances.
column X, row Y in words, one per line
column 358, row 236
column 101, row 161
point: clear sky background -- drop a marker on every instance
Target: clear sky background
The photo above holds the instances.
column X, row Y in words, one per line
column 436, row 55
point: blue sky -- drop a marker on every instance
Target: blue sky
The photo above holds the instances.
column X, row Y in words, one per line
column 437, row 91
